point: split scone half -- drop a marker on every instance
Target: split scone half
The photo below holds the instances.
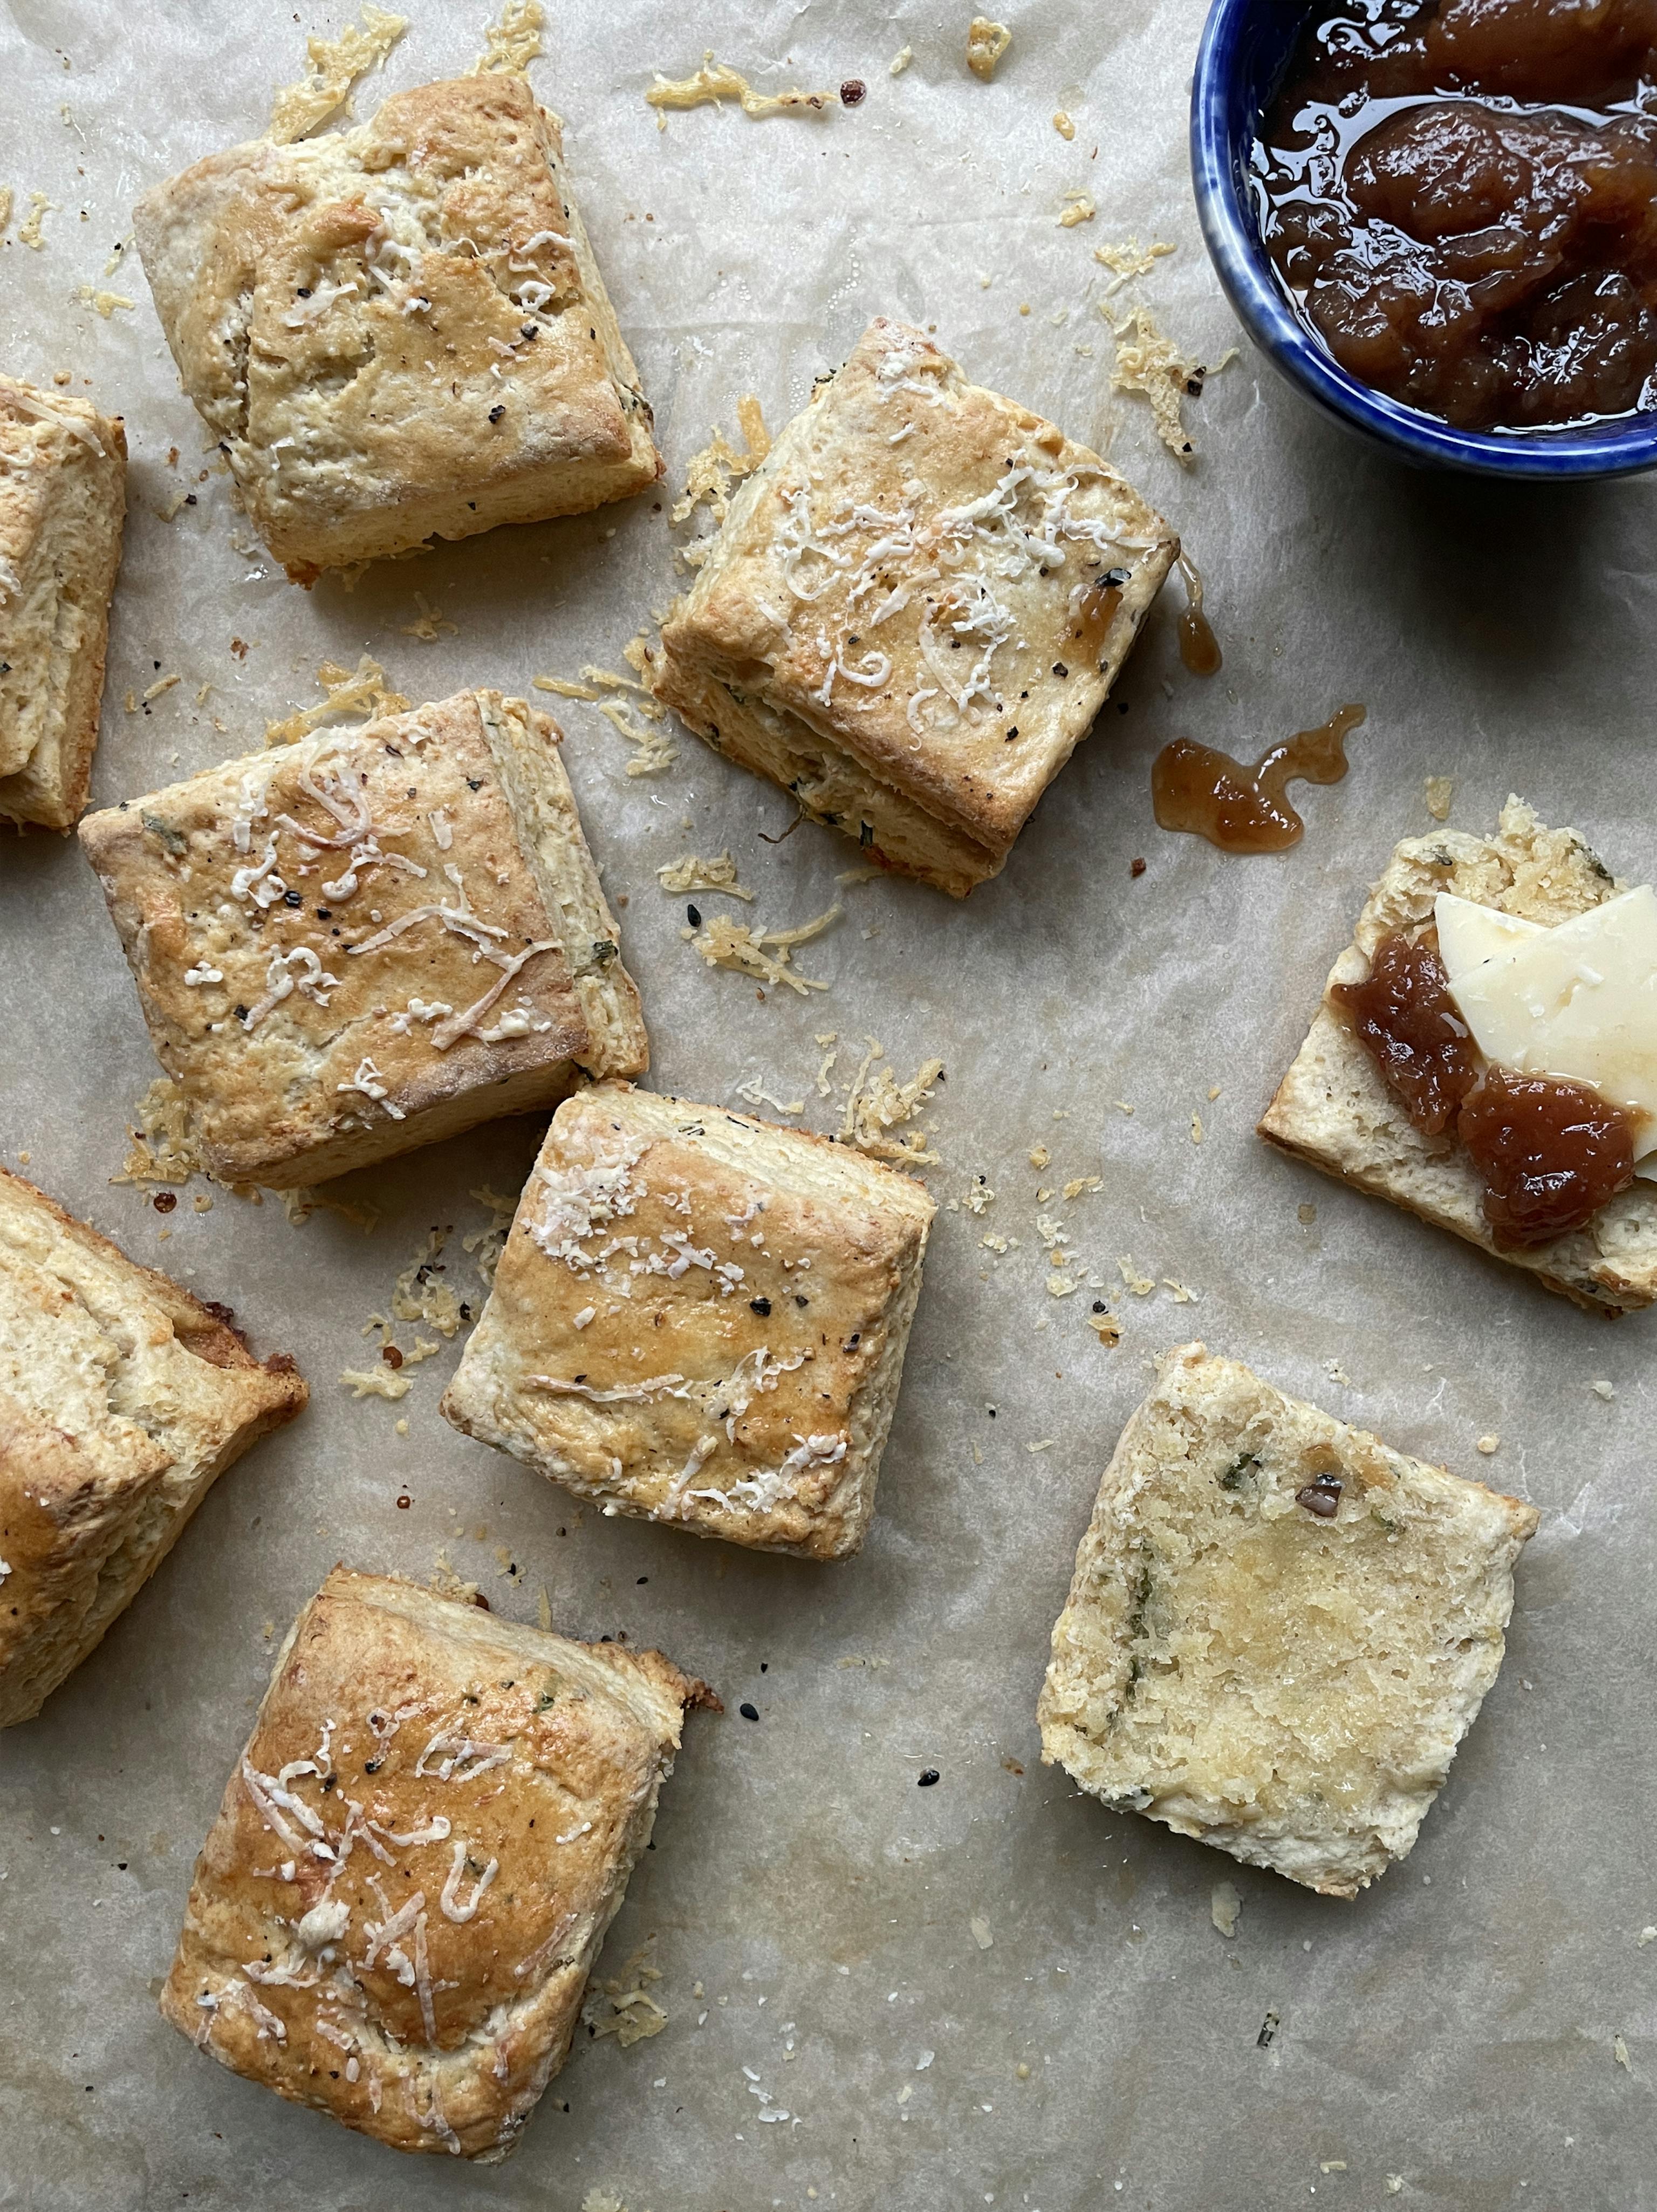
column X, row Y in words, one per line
column 914, row 609
column 122, row 1400
column 701, row 1319
column 1278, row 1631
column 399, row 332
column 1337, row 1110
column 62, row 501
column 358, row 943
column 394, row 1915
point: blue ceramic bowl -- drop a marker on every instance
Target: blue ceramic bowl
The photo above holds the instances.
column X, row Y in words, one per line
column 1246, row 46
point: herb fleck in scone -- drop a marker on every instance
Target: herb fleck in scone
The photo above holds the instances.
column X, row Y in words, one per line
column 1335, row 1109
column 914, row 609
column 701, row 1319
column 63, row 501
column 395, row 1912
column 122, row 1400
column 361, row 943
column 1278, row 1631
column 399, row 332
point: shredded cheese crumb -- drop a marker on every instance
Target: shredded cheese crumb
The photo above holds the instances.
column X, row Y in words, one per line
column 753, row 950
column 1439, row 791
column 690, row 873
column 901, row 61
column 1083, row 1183
column 1150, row 366
column 1223, row 1907
column 986, row 44
column 632, row 2013
column 1128, row 259
column 877, row 1103
column 430, row 623
column 1039, row 1156
column 163, row 683
column 1063, row 125
column 979, row 1926
column 710, row 473
column 753, row 1093
column 1489, row 1444
column 381, row 1382
column 335, row 65
column 487, row 1244
column 162, row 1149
column 716, row 81
column 1195, row 1128
column 654, row 751
column 1106, row 1327
column 29, row 233
column 1079, row 208
column 419, row 1295
column 1141, row 1286
column 5, row 210
column 361, row 692
column 105, row 302
column 513, row 43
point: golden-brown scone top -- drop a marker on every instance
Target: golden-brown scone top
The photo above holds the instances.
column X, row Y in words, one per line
column 122, row 1398
column 395, row 1913
column 933, row 578
column 701, row 1318
column 63, row 501
column 399, row 329
column 347, row 946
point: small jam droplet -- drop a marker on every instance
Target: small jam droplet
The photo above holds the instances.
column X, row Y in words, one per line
column 1199, row 648
column 1244, row 810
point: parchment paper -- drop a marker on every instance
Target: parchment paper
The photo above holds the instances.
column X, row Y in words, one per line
column 1453, row 2028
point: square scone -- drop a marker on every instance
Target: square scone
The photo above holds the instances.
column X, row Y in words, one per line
column 370, row 940
column 399, row 332
column 122, row 1400
column 1278, row 1631
column 395, row 1913
column 915, row 609
column 1539, row 1149
column 701, row 1319
column 62, row 502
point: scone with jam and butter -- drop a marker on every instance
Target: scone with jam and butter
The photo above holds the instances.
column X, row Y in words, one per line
column 701, row 1319
column 399, row 332
column 915, row 609
column 1278, row 1631
column 1486, row 1055
column 370, row 939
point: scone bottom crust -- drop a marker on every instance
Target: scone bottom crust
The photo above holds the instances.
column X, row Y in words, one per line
column 1278, row 1630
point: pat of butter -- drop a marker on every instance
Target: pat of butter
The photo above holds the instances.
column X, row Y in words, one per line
column 1578, row 1001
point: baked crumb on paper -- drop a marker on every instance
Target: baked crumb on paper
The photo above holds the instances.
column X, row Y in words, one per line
column 359, row 690
column 877, row 1103
column 1151, row 367
column 335, row 65
column 512, row 41
column 716, row 81
column 751, row 950
column 691, row 874
column 710, row 473
column 986, row 41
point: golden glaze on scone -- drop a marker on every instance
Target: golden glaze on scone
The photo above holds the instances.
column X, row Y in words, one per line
column 1334, row 1111
column 909, row 596
column 399, row 331
column 395, row 1913
column 701, row 1319
column 1287, row 1683
column 121, row 1399
column 351, row 946
column 63, row 501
